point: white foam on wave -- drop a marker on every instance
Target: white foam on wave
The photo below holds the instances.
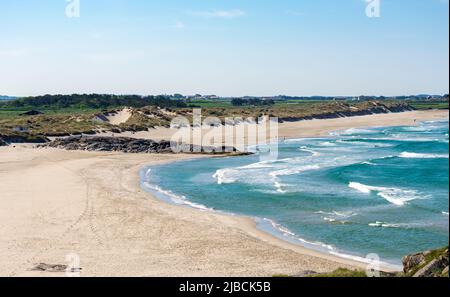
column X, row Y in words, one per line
column 384, row 225
column 408, row 155
column 279, row 186
column 360, row 187
column 255, row 173
column 258, row 165
column 398, row 138
column 416, row 129
column 396, row 196
column 346, row 214
column 177, row 199
column 286, row 232
column 286, row 172
column 226, row 176
column 375, row 263
column 294, row 170
column 365, row 144
column 445, row 213
column 353, row 131
column 232, row 175
column 331, row 220
column 412, row 225
column 326, row 247
column 306, row 149
column 294, row 140
column 335, row 216
column 327, row 144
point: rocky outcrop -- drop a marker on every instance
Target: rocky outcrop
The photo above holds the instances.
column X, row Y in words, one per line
column 412, row 261
column 3, row 143
column 427, row 264
column 21, row 138
column 43, row 267
column 128, row 145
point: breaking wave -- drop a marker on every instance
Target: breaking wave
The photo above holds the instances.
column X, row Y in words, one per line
column 408, row 155
column 286, row 232
column 226, row 176
column 384, row 225
column 396, row 196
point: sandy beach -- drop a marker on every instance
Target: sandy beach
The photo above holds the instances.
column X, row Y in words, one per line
column 54, row 203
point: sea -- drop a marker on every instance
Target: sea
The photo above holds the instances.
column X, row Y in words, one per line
column 373, row 193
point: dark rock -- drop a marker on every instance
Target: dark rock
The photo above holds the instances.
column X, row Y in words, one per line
column 411, row 261
column 130, row 145
column 3, row 143
column 57, row 134
column 22, row 138
column 89, row 132
column 429, row 269
column 427, row 264
column 306, row 273
column 49, row 267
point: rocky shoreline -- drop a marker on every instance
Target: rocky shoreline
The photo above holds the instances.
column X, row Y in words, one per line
column 132, row 145
column 21, row 138
column 427, row 264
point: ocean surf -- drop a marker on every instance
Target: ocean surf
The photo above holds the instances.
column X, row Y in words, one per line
column 365, row 191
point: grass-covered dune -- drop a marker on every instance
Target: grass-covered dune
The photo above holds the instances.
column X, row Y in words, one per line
column 32, row 119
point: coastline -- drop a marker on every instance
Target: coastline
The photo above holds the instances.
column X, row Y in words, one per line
column 92, row 204
column 272, row 233
column 309, row 128
column 262, row 228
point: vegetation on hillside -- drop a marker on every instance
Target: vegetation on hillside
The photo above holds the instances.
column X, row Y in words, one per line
column 251, row 102
column 428, row 264
column 426, row 105
column 91, row 101
column 62, row 115
column 343, row 272
column 432, row 263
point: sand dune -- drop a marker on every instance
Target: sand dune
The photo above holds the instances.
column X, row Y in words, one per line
column 120, row 117
column 309, row 128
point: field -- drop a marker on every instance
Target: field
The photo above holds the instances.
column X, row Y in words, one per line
column 429, row 105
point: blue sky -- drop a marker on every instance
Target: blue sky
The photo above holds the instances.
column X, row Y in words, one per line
column 228, row 47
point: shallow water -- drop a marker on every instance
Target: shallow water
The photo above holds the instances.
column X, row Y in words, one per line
column 357, row 192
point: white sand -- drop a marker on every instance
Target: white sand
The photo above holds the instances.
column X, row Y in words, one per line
column 120, row 117
column 54, row 203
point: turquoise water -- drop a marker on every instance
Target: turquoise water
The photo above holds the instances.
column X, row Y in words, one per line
column 357, row 192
